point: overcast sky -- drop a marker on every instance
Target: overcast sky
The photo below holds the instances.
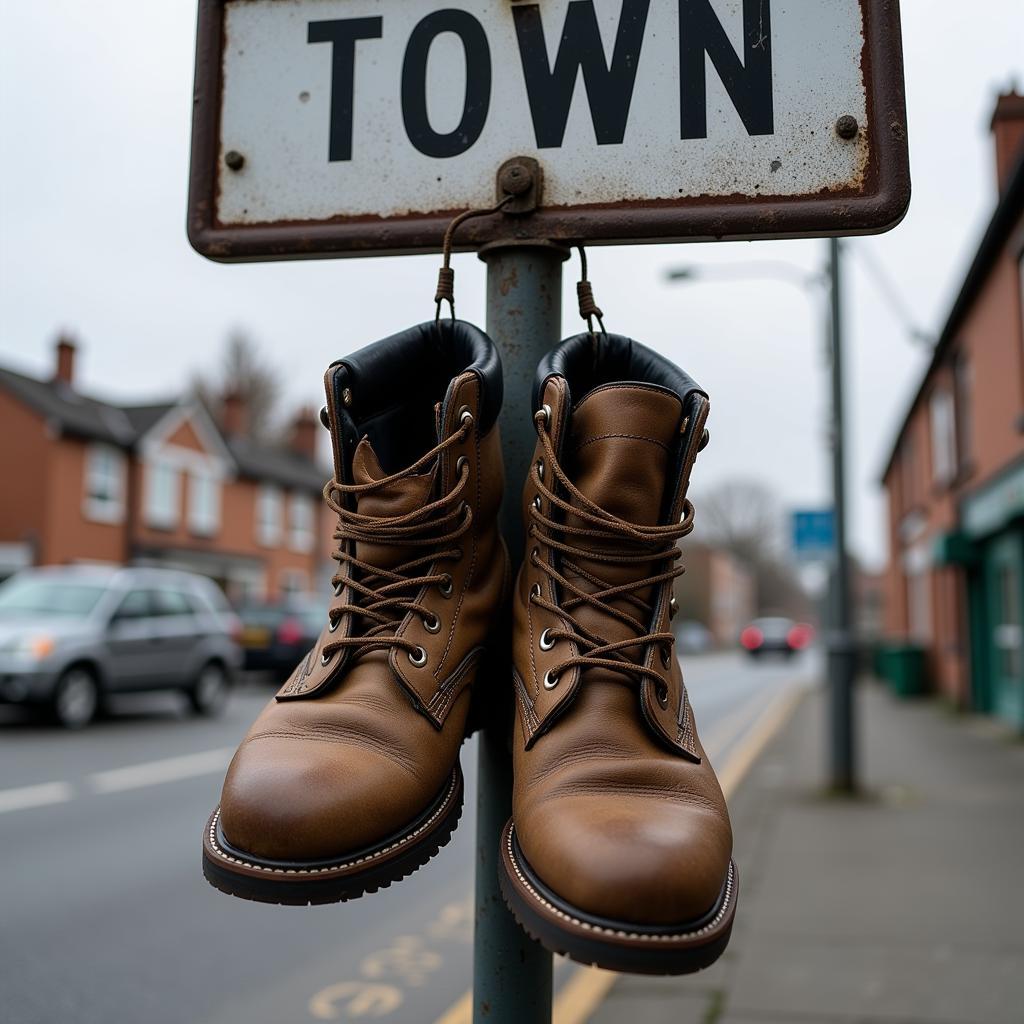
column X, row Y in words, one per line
column 96, row 104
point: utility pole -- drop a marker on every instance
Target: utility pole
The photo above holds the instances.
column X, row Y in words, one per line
column 842, row 650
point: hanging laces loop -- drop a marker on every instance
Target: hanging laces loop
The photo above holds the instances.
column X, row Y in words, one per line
column 589, row 309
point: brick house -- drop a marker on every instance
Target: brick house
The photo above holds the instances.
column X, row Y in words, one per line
column 85, row 480
column 717, row 591
column 955, row 478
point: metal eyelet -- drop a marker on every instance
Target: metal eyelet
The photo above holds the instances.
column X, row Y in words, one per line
column 673, row 606
column 465, row 416
column 537, row 503
column 534, row 553
column 335, row 623
column 535, row 590
column 550, row 680
column 460, row 463
column 446, row 587
column 666, row 656
column 418, row 657
column 433, row 624
column 546, row 411
column 540, row 469
column 545, row 643
column 338, row 589
column 325, row 658
column 662, row 695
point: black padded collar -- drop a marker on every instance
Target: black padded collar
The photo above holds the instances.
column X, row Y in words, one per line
column 588, row 361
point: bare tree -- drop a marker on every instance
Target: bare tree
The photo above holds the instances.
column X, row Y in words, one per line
column 245, row 373
column 744, row 518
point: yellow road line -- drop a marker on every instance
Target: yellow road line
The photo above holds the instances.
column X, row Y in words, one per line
column 586, row 989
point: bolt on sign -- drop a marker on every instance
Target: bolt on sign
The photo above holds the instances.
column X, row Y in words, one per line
column 356, row 127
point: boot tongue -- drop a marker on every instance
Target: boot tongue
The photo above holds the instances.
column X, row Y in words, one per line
column 620, row 453
column 387, row 502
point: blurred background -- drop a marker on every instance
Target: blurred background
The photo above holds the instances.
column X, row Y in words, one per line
column 164, row 554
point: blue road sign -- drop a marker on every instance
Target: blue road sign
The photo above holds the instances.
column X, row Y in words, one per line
column 814, row 535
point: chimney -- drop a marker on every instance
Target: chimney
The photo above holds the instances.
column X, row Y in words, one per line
column 234, row 415
column 64, row 371
column 1008, row 129
column 304, row 433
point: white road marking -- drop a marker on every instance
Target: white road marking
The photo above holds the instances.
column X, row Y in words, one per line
column 35, row 796
column 169, row 769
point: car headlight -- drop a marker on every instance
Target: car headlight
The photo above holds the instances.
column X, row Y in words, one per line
column 33, row 647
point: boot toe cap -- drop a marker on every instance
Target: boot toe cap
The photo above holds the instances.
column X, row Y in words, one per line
column 283, row 801
column 639, row 860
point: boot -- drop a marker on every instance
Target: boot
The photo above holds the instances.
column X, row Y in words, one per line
column 619, row 848
column 349, row 779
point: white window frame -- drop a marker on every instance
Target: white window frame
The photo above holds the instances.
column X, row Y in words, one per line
column 106, row 462
column 942, row 417
column 163, row 509
column 204, row 502
column 293, row 581
column 301, row 522
column 269, row 515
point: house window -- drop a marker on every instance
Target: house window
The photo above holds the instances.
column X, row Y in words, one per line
column 294, row 581
column 963, row 387
column 163, row 485
column 919, row 606
column 300, row 523
column 104, row 484
column 943, row 422
column 908, row 471
column 268, row 515
column 203, row 503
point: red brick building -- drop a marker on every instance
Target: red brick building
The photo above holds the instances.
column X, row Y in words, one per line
column 955, row 478
column 85, row 480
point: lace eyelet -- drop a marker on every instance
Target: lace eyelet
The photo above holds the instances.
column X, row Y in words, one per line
column 461, row 463
column 446, row 587
column 666, row 656
column 673, row 606
column 433, row 624
column 662, row 695
column 418, row 657
column 338, row 588
column 534, row 554
column 535, row 590
column 537, row 503
column 540, row 469
column 335, row 623
column 550, row 680
column 545, row 643
column 465, row 415
column 546, row 413
column 325, row 658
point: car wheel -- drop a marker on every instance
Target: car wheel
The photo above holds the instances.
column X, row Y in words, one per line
column 209, row 694
column 76, row 698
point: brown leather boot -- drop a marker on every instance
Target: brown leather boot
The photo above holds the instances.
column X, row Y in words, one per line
column 350, row 779
column 619, row 849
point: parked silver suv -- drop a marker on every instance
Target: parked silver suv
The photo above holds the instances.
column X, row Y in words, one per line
column 70, row 635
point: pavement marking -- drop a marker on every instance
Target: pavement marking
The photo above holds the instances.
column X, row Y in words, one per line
column 168, row 769
column 41, row 795
column 587, row 987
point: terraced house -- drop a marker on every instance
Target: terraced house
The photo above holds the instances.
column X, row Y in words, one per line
column 86, row 480
column 955, row 478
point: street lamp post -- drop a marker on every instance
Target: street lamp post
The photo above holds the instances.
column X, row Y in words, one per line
column 842, row 648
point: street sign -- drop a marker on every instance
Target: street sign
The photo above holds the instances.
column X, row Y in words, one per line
column 353, row 127
column 814, row 535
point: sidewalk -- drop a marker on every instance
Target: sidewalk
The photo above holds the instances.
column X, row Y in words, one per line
column 906, row 907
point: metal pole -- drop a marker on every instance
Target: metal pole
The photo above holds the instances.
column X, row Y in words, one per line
column 842, row 649
column 511, row 973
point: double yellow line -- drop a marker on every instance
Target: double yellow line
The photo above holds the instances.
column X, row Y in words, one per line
column 580, row 996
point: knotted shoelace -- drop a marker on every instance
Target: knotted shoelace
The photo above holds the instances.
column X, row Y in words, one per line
column 381, row 597
column 618, row 542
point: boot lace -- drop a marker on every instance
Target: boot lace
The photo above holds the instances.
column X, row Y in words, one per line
column 382, row 596
column 614, row 541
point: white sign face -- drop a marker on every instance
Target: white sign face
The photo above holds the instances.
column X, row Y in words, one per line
column 335, row 111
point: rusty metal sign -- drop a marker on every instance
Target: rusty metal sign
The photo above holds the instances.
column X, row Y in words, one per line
column 360, row 127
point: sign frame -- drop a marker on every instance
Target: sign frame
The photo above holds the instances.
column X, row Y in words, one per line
column 878, row 205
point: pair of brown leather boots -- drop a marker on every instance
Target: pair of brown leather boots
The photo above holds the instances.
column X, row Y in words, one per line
column 619, row 848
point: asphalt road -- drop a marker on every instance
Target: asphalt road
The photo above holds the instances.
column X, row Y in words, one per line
column 105, row 916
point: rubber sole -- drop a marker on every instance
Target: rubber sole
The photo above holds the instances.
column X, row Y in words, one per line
column 613, row 945
column 300, row 883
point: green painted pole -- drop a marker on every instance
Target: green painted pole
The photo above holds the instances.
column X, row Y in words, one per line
column 511, row 973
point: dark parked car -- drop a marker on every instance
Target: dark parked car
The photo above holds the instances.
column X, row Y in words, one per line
column 776, row 635
column 277, row 635
column 70, row 635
